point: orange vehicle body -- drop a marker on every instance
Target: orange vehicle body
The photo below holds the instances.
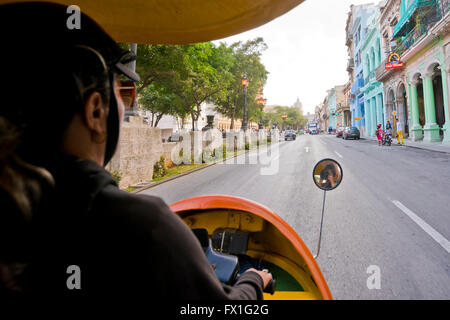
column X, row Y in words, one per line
column 274, row 239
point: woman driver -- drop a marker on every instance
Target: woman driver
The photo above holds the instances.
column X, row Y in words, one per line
column 60, row 118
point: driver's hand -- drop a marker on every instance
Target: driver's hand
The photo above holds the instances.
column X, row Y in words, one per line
column 266, row 276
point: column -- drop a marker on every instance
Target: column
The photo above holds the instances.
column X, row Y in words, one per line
column 379, row 100
column 367, row 115
column 431, row 129
column 373, row 108
column 445, row 84
column 416, row 128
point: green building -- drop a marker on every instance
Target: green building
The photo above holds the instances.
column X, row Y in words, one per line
column 373, row 90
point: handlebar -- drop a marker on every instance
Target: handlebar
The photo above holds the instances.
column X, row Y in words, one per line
column 271, row 287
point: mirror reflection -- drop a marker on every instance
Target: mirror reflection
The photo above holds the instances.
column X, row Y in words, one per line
column 327, row 174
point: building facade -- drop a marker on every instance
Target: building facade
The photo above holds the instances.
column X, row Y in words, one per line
column 373, row 90
column 394, row 79
column 357, row 22
column 422, row 42
column 332, row 109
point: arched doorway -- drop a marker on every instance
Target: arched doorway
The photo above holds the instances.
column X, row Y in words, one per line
column 420, row 102
column 391, row 107
column 438, row 99
column 403, row 108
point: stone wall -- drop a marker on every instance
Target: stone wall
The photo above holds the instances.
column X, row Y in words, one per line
column 140, row 147
column 167, row 152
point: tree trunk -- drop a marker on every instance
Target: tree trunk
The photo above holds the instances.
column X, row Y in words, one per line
column 158, row 117
column 232, row 119
column 193, row 121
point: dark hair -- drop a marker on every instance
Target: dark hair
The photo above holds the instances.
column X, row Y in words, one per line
column 46, row 78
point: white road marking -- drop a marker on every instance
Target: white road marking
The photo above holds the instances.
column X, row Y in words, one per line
column 339, row 155
column 307, row 149
column 439, row 238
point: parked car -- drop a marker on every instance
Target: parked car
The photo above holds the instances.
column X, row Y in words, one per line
column 289, row 135
column 351, row 132
column 175, row 137
column 339, row 132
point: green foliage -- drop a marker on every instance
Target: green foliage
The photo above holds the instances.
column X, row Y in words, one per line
column 294, row 119
column 117, row 175
column 178, row 79
column 159, row 169
column 246, row 60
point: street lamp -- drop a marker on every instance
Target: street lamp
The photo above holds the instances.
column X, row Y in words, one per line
column 262, row 102
column 244, row 83
column 284, row 117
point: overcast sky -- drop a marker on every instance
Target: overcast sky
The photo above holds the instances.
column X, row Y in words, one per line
column 306, row 52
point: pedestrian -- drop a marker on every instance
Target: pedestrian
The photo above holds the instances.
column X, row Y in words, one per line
column 399, row 132
column 379, row 134
column 389, row 127
column 61, row 211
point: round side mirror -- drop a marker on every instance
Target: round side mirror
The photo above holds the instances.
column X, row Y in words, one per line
column 327, row 174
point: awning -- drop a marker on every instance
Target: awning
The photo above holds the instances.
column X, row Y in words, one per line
column 178, row 21
column 400, row 28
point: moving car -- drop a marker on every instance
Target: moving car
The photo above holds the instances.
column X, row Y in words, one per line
column 289, row 134
column 351, row 132
column 339, row 132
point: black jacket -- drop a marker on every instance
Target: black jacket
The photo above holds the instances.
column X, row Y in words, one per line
column 123, row 244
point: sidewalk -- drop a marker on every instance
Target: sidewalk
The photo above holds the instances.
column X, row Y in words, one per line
column 431, row 146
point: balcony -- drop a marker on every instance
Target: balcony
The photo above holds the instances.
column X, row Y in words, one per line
column 381, row 72
column 370, row 78
column 424, row 21
column 409, row 16
column 355, row 90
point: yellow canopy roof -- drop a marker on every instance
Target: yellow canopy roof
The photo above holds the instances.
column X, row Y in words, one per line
column 179, row 21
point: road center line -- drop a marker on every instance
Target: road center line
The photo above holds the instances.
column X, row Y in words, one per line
column 439, row 238
column 307, row 149
column 339, row 155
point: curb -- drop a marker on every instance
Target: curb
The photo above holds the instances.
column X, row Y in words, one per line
column 154, row 184
column 411, row 146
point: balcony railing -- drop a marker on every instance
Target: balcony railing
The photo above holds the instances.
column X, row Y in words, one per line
column 424, row 23
column 370, row 77
column 411, row 38
column 410, row 13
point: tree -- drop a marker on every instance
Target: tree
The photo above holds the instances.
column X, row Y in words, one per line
column 158, row 63
column 207, row 74
column 294, row 119
column 159, row 100
column 245, row 60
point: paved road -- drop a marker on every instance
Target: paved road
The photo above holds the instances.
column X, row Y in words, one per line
column 390, row 214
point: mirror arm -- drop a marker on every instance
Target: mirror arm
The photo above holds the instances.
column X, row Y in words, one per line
column 321, row 224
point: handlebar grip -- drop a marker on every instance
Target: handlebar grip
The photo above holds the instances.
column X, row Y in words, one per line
column 271, row 287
